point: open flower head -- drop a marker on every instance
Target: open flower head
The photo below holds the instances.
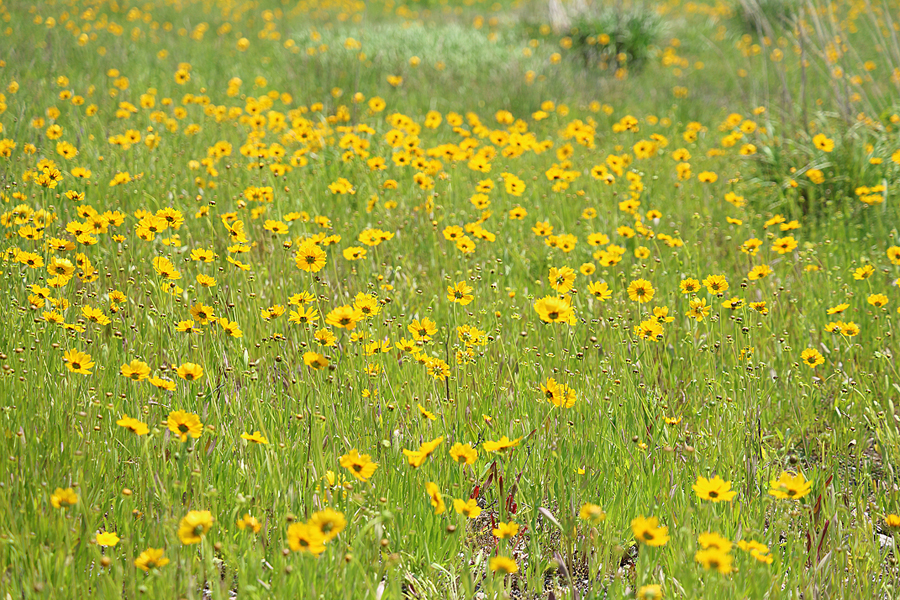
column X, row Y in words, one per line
column 63, row 498
column 647, row 531
column 714, row 490
column 592, row 513
column 554, row 309
column 503, row 565
column 306, row 538
column 329, row 522
column 78, row 362
column 133, row 425
column 184, row 424
column 151, row 558
column 434, row 495
column 713, row 559
column 194, row 526
column 501, row 445
column 107, row 539
column 417, row 457
column 790, row 487
column 360, row 466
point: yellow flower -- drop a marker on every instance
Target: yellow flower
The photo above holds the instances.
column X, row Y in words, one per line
column 423, row 329
column 661, row 314
column 184, row 424
column 698, row 309
column 650, row 592
column 600, row 290
column 310, row 257
column 256, row 437
column 463, row 453
column 304, row 537
column 461, row 293
column 715, row 541
column 163, row 384
column 877, row 300
column 249, row 522
column 503, row 444
column 345, row 317
column 469, row 508
column 78, row 362
column 757, row 550
column 136, row 370
column 194, row 526
column 558, row 394
column 716, row 284
column 107, row 539
column 133, row 425
column 689, row 285
column 505, row 530
column 354, row 253
column 329, row 522
column 784, row 245
column 823, row 142
column 314, row 360
column 862, row 273
column 790, row 487
column 190, row 371
column 838, row 309
column 151, row 558
column 592, row 513
column 561, row 279
column 360, row 466
column 758, row 272
column 893, row 253
column 425, row 412
column 503, row 564
column 648, row 531
column 649, row 329
column 434, row 494
column 63, row 498
column 641, row 290
column 552, row 309
column 417, row 457
column 714, row 559
column 164, row 267
column 714, row 490
column 812, row 357
column 95, row 315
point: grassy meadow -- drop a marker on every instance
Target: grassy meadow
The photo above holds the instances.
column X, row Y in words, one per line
column 439, row 299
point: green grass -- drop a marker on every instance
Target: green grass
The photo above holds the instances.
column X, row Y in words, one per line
column 649, row 417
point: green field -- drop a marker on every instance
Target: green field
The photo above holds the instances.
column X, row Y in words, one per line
column 438, row 299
